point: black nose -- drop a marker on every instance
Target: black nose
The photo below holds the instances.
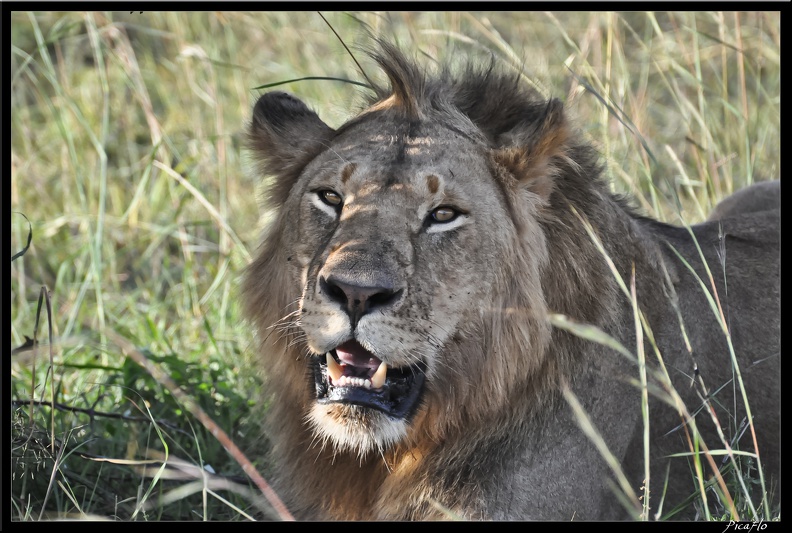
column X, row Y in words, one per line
column 358, row 299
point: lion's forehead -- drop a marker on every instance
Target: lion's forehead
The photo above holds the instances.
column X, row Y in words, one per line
column 419, row 147
column 406, row 142
column 417, row 167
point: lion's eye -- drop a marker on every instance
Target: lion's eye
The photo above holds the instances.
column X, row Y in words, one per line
column 443, row 214
column 331, row 198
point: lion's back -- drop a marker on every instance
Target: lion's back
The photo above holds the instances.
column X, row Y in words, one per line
column 758, row 197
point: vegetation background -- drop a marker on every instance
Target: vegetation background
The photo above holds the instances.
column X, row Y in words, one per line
column 128, row 161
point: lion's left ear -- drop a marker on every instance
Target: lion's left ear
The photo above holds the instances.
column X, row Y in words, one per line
column 285, row 135
column 532, row 150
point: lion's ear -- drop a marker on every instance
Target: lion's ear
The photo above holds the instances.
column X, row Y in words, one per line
column 532, row 150
column 285, row 135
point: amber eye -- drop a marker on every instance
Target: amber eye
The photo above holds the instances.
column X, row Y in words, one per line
column 444, row 214
column 331, row 198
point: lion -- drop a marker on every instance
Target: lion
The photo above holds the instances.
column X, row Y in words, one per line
column 409, row 296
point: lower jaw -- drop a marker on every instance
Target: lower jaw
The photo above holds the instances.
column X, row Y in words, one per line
column 354, row 429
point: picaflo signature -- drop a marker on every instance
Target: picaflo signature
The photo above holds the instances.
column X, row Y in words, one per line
column 745, row 527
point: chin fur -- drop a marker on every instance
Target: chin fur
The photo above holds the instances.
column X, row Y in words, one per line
column 356, row 430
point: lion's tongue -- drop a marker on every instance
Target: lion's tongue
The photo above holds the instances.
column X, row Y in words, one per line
column 352, row 354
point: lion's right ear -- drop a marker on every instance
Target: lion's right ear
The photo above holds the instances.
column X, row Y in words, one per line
column 533, row 148
column 285, row 135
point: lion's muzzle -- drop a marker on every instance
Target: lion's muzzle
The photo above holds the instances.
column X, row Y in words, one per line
column 358, row 299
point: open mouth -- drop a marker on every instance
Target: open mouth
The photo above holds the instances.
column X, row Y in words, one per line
column 352, row 375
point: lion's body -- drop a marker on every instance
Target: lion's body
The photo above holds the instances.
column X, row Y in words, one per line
column 437, row 232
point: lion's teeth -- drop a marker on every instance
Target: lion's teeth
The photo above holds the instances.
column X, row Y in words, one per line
column 378, row 379
column 333, row 370
column 338, row 378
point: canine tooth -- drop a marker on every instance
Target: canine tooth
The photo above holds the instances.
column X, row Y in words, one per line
column 333, row 370
column 378, row 379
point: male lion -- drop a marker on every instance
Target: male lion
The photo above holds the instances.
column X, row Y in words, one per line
column 404, row 294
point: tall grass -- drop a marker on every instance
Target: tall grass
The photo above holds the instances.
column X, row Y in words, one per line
column 127, row 157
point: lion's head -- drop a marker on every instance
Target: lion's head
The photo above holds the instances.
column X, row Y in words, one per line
column 377, row 273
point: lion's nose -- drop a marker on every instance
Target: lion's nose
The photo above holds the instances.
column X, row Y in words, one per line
column 358, row 299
